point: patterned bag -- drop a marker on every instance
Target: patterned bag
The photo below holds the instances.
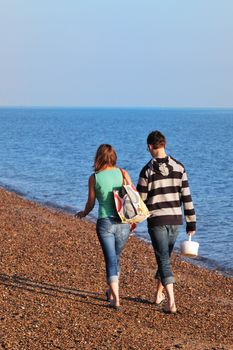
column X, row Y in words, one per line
column 129, row 205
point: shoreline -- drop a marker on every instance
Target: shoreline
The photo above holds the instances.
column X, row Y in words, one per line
column 52, row 282
column 206, row 263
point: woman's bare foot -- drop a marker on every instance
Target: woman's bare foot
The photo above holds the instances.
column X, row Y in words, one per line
column 109, row 295
column 160, row 297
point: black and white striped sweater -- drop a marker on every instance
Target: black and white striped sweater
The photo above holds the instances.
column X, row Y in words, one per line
column 163, row 186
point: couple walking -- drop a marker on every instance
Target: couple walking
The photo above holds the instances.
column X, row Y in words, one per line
column 163, row 186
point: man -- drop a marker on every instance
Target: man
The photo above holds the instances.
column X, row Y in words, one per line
column 163, row 186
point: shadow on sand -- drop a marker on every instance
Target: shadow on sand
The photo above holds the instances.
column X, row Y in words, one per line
column 27, row 284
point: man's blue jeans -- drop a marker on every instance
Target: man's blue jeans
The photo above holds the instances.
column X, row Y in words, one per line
column 112, row 235
column 163, row 240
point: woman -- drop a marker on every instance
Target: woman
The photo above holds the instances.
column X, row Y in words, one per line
column 111, row 232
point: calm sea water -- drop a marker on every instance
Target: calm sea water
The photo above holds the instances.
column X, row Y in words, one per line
column 47, row 155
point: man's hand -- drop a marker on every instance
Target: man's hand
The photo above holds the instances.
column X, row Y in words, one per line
column 191, row 233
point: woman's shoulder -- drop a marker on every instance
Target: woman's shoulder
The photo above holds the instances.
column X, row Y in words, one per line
column 107, row 171
column 126, row 175
column 123, row 170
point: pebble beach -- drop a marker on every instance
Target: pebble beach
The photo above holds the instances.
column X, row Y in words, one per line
column 52, row 287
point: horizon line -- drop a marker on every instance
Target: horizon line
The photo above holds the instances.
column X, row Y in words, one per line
column 112, row 107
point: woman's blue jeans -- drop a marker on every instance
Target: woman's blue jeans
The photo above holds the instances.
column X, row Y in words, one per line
column 112, row 235
column 163, row 240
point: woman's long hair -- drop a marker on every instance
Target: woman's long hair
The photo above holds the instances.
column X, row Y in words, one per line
column 105, row 156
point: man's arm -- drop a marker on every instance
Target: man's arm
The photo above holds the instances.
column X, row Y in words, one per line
column 189, row 211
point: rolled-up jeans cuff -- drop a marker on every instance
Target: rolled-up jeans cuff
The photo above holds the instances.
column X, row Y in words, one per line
column 112, row 279
column 168, row 280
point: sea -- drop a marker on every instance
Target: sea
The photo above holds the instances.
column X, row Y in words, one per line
column 47, row 156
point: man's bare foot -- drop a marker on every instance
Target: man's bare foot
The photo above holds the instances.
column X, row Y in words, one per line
column 170, row 309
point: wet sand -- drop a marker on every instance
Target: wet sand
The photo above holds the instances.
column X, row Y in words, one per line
column 52, row 282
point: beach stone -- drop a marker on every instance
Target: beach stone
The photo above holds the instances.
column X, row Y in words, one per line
column 52, row 281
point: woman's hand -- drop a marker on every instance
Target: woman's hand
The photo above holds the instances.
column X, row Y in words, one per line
column 80, row 214
column 133, row 227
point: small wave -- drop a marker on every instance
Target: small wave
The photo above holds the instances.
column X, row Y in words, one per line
column 13, row 190
column 209, row 264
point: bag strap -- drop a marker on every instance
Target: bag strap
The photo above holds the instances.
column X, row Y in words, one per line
column 124, row 178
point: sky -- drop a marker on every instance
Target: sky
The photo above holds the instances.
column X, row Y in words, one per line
column 124, row 53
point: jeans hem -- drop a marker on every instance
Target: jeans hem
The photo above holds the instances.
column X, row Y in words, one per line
column 112, row 279
column 168, row 280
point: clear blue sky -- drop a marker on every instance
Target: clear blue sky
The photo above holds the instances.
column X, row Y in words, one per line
column 168, row 53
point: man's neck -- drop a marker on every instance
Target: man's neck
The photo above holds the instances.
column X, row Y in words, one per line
column 159, row 153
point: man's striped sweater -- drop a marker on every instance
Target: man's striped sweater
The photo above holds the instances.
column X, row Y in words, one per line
column 163, row 186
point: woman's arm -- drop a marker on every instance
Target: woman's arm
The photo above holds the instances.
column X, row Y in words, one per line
column 91, row 199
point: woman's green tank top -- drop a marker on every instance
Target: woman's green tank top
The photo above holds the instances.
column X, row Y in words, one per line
column 105, row 182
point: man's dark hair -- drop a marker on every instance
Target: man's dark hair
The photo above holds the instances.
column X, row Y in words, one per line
column 157, row 139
